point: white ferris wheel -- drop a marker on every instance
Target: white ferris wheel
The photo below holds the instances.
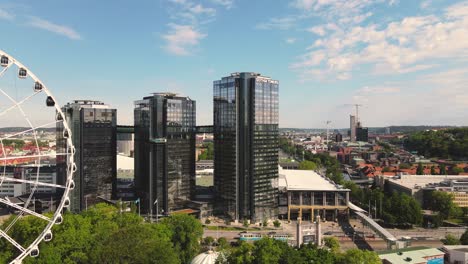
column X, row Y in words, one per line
column 27, row 103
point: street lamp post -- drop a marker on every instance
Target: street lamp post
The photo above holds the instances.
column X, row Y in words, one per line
column 157, row 211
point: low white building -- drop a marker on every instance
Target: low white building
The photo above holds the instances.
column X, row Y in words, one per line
column 456, row 254
column 46, row 174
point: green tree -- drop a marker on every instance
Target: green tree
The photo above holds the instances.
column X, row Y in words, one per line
column 223, row 244
column 451, row 240
column 266, row 250
column 443, row 169
column 447, row 143
column 208, row 153
column 464, row 238
column 311, row 254
column 405, row 166
column 307, row 165
column 246, row 223
column 442, row 202
column 420, row 169
column 357, row 194
column 138, row 244
column 208, row 241
column 332, row 243
column 241, row 254
column 386, row 169
column 276, row 223
column 457, row 170
column 356, row 256
column 187, row 232
column 401, row 209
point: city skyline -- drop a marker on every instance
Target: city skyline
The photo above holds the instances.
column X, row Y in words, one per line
column 325, row 54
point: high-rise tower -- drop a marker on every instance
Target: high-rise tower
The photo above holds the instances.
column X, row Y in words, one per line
column 93, row 125
column 164, row 151
column 246, row 139
column 352, row 120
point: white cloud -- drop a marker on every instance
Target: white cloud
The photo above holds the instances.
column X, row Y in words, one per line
column 431, row 99
column 181, row 39
column 366, row 90
column 319, row 30
column 185, row 33
column 399, row 47
column 290, row 40
column 425, row 4
column 199, row 9
column 282, row 23
column 55, row 28
column 228, row 4
column 6, row 15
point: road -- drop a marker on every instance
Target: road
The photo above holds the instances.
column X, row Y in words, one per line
column 421, row 236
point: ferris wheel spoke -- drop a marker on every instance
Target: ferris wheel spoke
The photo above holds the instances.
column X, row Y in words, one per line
column 16, row 104
column 31, row 129
column 64, row 154
column 25, row 210
column 5, row 69
column 33, row 156
column 9, row 179
column 12, row 241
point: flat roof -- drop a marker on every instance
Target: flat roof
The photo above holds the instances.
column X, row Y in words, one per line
column 413, row 181
column 417, row 255
column 305, row 180
column 125, row 163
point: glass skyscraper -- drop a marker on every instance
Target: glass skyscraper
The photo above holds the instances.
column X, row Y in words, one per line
column 93, row 125
column 246, row 139
column 164, row 151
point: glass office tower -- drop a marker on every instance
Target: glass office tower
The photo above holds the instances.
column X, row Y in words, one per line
column 164, row 151
column 246, row 140
column 93, row 125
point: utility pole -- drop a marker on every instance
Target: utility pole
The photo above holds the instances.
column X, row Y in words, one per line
column 328, row 127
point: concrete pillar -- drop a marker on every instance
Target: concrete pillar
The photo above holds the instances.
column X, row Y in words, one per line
column 324, row 198
column 318, row 232
column 336, row 199
column 300, row 198
column 299, row 232
column 300, row 213
column 312, row 215
column 312, row 196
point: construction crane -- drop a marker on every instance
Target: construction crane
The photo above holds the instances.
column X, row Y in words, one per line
column 357, row 110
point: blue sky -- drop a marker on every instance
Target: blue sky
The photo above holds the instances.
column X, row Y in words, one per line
column 404, row 61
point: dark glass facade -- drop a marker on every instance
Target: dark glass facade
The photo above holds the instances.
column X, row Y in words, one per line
column 246, row 138
column 362, row 134
column 164, row 151
column 93, row 126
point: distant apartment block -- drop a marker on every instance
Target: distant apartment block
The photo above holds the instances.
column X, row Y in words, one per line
column 47, row 174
